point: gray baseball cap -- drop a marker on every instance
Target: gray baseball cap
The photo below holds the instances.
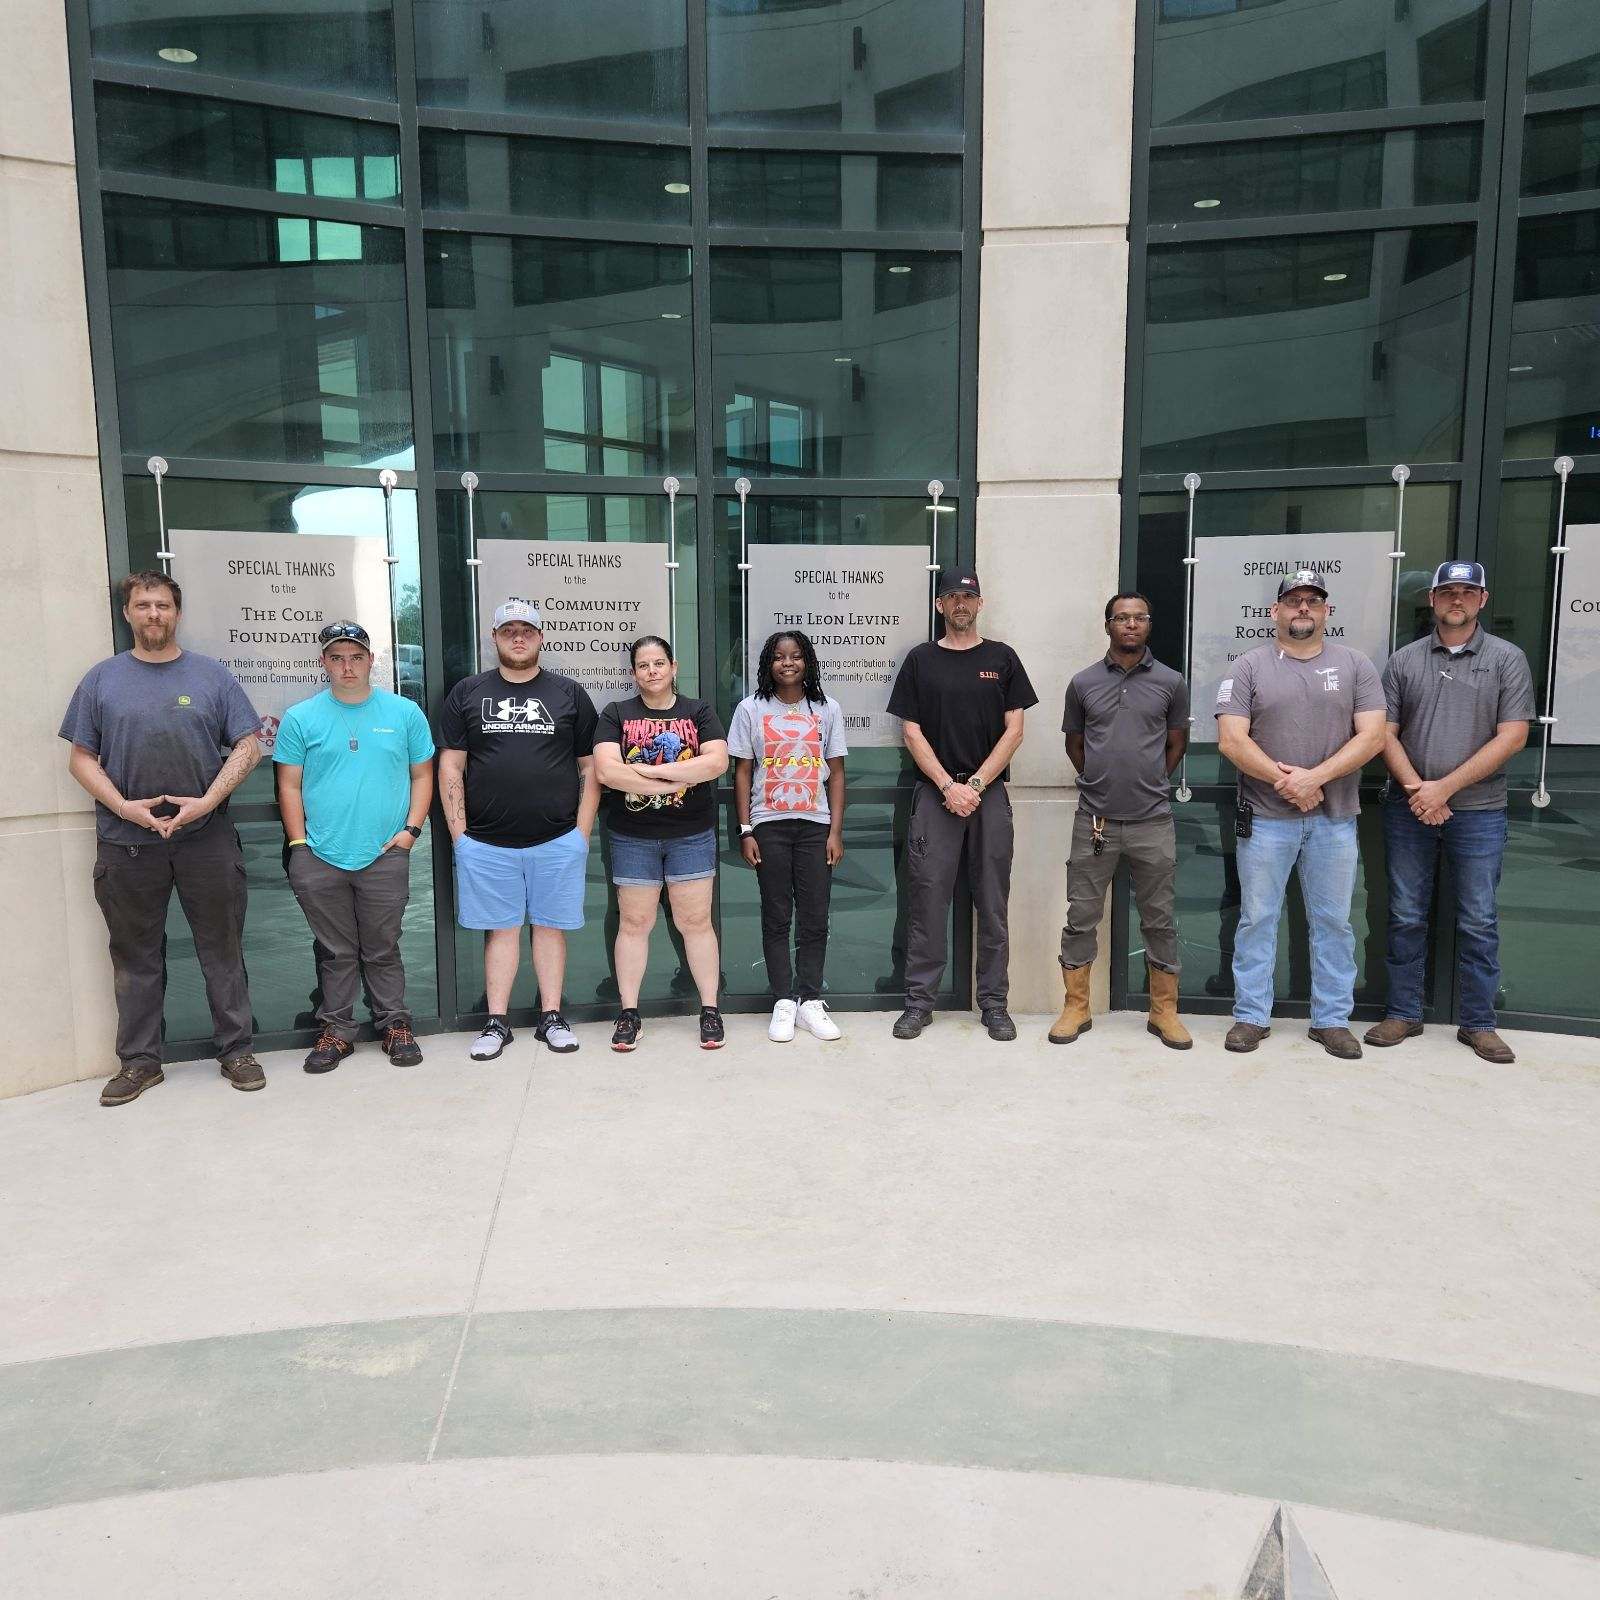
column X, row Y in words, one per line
column 515, row 609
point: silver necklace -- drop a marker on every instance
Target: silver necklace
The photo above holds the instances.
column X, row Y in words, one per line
column 355, row 743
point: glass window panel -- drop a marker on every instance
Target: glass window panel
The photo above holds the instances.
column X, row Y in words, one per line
column 1229, row 62
column 858, row 356
column 803, row 189
column 615, row 60
column 895, row 66
column 1564, row 46
column 503, row 312
column 1315, row 350
column 220, row 322
column 1329, row 172
column 602, row 182
column 1553, row 382
column 256, row 147
column 343, row 45
column 1561, row 153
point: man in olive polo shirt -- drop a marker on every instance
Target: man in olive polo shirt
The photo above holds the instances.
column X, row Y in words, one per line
column 1459, row 702
column 1127, row 724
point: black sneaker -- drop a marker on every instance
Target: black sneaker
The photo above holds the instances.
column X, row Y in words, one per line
column 401, row 1047
column 555, row 1034
column 327, row 1053
column 626, row 1033
column 711, row 1034
column 911, row 1022
column 130, row 1083
column 998, row 1021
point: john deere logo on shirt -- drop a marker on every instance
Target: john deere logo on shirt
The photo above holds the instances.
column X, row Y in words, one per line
column 184, row 700
column 510, row 715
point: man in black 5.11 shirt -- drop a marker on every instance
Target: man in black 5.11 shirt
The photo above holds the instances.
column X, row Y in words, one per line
column 516, row 775
column 962, row 699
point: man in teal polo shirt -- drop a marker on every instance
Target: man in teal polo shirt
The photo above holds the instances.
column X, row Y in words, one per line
column 355, row 780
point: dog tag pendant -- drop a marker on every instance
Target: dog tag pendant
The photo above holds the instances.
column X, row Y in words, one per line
column 355, row 744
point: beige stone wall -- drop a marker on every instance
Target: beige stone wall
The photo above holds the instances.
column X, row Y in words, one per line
column 1057, row 133
column 55, row 979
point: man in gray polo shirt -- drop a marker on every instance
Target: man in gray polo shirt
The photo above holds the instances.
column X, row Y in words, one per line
column 1299, row 717
column 1458, row 704
column 1127, row 725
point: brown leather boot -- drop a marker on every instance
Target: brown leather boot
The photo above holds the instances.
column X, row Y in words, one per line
column 1163, row 1021
column 1074, row 1018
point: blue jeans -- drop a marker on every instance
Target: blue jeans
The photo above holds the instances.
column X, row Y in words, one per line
column 1474, row 844
column 1324, row 850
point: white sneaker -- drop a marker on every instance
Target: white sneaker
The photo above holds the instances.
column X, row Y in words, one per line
column 814, row 1017
column 781, row 1029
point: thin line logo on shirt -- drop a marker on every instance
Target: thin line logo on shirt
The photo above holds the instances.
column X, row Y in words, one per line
column 510, row 715
column 1330, row 678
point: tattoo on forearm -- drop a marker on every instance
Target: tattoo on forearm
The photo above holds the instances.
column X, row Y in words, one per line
column 455, row 800
column 240, row 764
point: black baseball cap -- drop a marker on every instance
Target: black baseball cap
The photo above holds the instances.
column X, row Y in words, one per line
column 957, row 580
column 1460, row 572
column 1305, row 578
column 337, row 632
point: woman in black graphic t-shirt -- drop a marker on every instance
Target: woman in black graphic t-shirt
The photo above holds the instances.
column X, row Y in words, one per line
column 658, row 756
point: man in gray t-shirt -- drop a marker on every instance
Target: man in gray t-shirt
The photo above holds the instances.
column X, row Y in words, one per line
column 1299, row 717
column 1459, row 703
column 160, row 738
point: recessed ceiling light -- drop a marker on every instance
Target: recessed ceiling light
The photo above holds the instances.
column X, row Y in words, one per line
column 672, row 316
column 899, row 270
column 1522, row 369
column 677, row 188
column 178, row 54
column 1334, row 277
column 1206, row 205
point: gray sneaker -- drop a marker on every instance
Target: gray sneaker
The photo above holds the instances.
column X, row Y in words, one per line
column 554, row 1033
column 494, row 1038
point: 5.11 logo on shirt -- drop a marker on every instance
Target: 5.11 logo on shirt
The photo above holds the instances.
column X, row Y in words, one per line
column 515, row 716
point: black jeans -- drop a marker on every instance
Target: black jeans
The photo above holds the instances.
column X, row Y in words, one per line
column 795, row 881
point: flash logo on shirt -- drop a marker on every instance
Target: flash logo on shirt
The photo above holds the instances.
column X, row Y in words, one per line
column 515, row 716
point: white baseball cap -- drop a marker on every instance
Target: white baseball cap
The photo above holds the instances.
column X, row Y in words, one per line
column 518, row 610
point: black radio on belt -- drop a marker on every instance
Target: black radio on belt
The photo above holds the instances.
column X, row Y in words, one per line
column 1244, row 818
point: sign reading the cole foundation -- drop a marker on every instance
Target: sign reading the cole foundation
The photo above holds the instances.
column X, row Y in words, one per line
column 1236, row 583
column 1577, row 696
column 862, row 605
column 257, row 601
column 595, row 599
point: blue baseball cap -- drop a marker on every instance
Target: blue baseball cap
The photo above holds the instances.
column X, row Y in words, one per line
column 1459, row 572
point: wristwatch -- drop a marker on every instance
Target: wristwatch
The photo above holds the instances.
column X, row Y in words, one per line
column 746, row 829
column 976, row 784
column 416, row 833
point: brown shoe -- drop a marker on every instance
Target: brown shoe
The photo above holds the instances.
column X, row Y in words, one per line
column 130, row 1083
column 1488, row 1044
column 1163, row 1021
column 1244, row 1036
column 1392, row 1030
column 244, row 1072
column 1337, row 1042
column 1074, row 1018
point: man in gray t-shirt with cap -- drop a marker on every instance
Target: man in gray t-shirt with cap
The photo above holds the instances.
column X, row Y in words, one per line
column 1459, row 702
column 1298, row 717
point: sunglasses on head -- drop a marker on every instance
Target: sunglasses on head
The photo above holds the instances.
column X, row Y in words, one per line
column 336, row 631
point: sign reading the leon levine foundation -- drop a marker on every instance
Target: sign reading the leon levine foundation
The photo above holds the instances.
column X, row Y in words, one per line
column 595, row 600
column 862, row 605
column 257, row 601
column 1577, row 696
column 1236, row 583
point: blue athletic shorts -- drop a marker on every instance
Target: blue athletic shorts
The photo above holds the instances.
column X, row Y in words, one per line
column 648, row 863
column 498, row 887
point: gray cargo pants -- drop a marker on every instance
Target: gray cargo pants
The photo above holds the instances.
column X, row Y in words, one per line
column 934, row 842
column 356, row 917
column 1151, row 851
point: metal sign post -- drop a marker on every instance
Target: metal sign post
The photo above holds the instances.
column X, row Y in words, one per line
column 469, row 482
column 1183, row 794
column 1541, row 795
column 387, row 479
column 156, row 466
column 671, row 485
column 741, row 487
column 935, row 491
column 1397, row 555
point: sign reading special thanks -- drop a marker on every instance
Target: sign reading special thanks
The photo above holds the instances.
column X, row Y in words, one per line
column 257, row 601
column 1577, row 698
column 862, row 605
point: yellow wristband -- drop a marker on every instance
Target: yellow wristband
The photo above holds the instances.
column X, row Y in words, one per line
column 294, row 842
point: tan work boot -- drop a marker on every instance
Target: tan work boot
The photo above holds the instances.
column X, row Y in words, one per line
column 1074, row 1018
column 1163, row 1021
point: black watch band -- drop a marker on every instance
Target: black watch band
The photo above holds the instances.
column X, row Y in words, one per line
column 416, row 833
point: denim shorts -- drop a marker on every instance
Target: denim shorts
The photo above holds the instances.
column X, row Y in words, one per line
column 499, row 886
column 648, row 863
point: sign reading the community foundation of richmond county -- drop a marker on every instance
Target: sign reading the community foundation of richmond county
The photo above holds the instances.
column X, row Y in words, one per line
column 594, row 599
column 1577, row 698
column 862, row 605
column 1236, row 582
column 257, row 601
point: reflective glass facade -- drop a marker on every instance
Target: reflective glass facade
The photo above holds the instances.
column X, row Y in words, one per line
column 1365, row 234
column 573, row 248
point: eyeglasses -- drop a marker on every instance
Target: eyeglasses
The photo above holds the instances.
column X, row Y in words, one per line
column 1131, row 616
column 344, row 630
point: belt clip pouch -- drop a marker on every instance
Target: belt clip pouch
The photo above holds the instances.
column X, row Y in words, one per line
column 1244, row 818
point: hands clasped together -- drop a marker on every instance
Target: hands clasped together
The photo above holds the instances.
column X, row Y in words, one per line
column 191, row 808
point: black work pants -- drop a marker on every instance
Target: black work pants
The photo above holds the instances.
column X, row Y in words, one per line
column 133, row 885
column 795, row 881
